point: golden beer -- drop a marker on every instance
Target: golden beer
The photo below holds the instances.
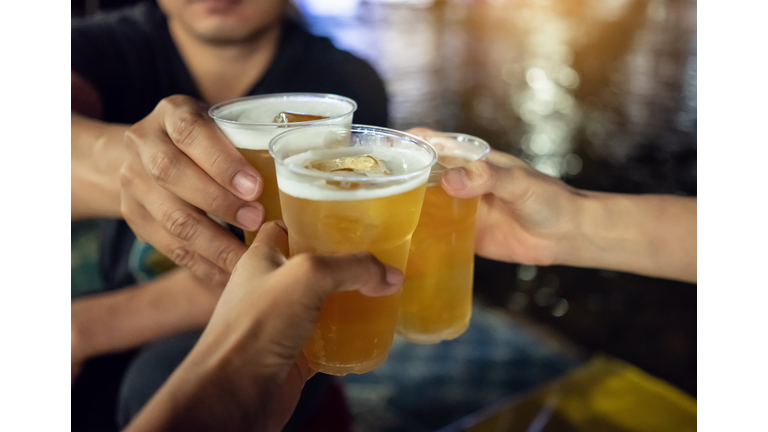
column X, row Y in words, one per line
column 270, row 199
column 436, row 302
column 250, row 123
column 350, row 211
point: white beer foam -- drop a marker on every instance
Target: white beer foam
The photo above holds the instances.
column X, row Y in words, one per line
column 257, row 137
column 448, row 146
column 461, row 154
column 398, row 161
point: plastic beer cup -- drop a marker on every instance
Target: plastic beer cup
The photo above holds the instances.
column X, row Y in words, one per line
column 436, row 302
column 249, row 123
column 348, row 190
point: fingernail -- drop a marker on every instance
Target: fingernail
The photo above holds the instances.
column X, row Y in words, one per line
column 247, row 184
column 249, row 217
column 456, row 179
column 394, row 275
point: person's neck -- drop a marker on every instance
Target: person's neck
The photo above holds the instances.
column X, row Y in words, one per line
column 224, row 72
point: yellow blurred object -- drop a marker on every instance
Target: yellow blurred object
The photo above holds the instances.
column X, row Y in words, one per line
column 605, row 394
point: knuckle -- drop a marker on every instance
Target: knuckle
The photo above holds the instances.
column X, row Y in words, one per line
column 136, row 135
column 485, row 172
column 183, row 257
column 227, row 257
column 315, row 269
column 307, row 263
column 217, row 162
column 209, row 273
column 519, row 176
column 198, row 266
column 313, row 266
column 162, row 167
column 174, row 102
column 184, row 130
column 127, row 175
column 182, row 224
column 214, row 199
column 374, row 268
column 133, row 134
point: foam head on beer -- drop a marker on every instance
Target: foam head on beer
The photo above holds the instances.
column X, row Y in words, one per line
column 328, row 164
column 250, row 122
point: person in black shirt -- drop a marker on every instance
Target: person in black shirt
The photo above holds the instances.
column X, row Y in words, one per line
column 144, row 150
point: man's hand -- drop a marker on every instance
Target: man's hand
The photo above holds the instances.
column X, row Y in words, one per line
column 247, row 371
column 524, row 216
column 180, row 167
column 531, row 218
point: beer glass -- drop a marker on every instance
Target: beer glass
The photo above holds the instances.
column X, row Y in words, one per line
column 436, row 301
column 248, row 123
column 347, row 190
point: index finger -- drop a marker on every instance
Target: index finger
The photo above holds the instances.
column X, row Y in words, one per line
column 504, row 160
column 197, row 135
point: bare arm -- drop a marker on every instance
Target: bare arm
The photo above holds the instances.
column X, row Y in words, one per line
column 97, row 155
column 119, row 320
column 651, row 235
column 531, row 218
column 246, row 371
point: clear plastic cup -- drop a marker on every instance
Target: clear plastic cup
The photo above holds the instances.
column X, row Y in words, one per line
column 436, row 302
column 348, row 211
column 248, row 123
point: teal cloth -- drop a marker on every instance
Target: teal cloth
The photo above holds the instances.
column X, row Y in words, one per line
column 86, row 278
column 145, row 262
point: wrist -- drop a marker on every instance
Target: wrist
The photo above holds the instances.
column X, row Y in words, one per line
column 216, row 381
column 97, row 157
column 574, row 244
column 109, row 152
column 606, row 234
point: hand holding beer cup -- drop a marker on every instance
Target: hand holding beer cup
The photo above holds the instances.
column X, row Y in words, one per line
column 181, row 167
column 524, row 216
column 246, row 372
column 185, row 169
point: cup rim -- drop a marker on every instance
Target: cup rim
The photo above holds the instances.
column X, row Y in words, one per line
column 482, row 143
column 357, row 128
column 291, row 95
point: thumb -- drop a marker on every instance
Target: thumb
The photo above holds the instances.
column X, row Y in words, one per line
column 481, row 177
column 304, row 283
column 320, row 276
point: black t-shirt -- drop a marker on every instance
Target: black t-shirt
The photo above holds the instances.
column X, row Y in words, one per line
column 129, row 57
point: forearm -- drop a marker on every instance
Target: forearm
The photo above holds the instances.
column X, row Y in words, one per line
column 97, row 155
column 130, row 317
column 652, row 235
column 210, row 392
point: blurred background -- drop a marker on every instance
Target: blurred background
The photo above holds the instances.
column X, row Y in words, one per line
column 601, row 93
